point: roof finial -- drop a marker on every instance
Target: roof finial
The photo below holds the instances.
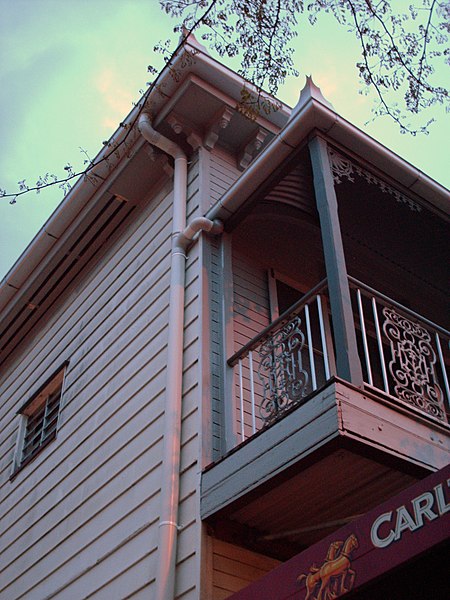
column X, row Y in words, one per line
column 310, row 92
column 188, row 37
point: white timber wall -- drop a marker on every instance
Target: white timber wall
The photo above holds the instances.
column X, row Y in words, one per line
column 249, row 310
column 251, row 314
column 187, row 585
column 217, row 350
column 251, row 299
column 81, row 520
column 223, row 173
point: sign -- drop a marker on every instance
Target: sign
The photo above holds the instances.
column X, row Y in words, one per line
column 401, row 528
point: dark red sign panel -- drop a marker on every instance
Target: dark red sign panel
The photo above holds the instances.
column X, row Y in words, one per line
column 385, row 538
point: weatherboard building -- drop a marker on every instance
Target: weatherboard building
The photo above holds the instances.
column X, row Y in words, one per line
column 223, row 363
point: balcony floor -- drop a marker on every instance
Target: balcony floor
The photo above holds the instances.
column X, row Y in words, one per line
column 326, row 462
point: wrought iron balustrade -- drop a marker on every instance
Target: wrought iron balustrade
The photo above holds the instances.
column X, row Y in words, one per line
column 283, row 364
column 402, row 353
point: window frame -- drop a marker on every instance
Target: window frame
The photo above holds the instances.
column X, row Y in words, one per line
column 46, row 399
column 272, row 277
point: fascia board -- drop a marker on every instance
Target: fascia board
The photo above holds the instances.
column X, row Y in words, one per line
column 277, row 151
column 82, row 192
column 195, row 80
column 230, row 83
column 438, row 196
column 33, row 261
column 7, row 293
column 389, row 163
column 316, row 117
column 30, row 258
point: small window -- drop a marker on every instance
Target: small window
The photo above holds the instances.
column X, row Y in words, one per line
column 287, row 296
column 41, row 418
column 283, row 293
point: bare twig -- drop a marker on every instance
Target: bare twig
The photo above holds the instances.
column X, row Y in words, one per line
column 64, row 181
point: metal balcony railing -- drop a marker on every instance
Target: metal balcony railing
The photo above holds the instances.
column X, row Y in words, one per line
column 282, row 365
column 403, row 355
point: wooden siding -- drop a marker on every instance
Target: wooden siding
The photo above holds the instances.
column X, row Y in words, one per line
column 224, row 173
column 234, row 568
column 249, row 308
column 251, row 314
column 217, row 354
column 251, row 300
column 296, row 189
column 81, row 520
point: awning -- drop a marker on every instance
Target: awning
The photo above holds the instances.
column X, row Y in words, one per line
column 389, row 536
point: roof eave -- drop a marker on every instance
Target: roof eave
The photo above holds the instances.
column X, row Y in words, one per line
column 32, row 262
column 83, row 192
column 315, row 117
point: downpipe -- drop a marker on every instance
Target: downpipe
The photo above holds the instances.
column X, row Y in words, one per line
column 182, row 237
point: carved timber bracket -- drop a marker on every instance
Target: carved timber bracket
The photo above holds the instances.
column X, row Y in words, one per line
column 251, row 149
column 221, row 121
column 176, row 124
column 179, row 126
column 342, row 168
column 194, row 140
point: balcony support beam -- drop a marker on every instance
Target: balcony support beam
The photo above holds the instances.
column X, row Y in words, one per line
column 348, row 364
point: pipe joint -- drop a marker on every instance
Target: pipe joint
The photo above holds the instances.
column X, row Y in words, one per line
column 178, row 251
column 186, row 237
column 154, row 138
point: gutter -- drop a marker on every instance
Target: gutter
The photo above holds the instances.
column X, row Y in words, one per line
column 313, row 115
column 82, row 196
column 270, row 158
column 182, row 236
column 30, row 262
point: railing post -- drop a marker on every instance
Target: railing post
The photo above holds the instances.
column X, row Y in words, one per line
column 347, row 359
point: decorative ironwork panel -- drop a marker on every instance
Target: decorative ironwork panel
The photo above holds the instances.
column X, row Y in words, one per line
column 343, row 168
column 281, row 370
column 412, row 363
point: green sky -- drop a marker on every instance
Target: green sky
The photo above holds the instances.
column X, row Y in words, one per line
column 70, row 70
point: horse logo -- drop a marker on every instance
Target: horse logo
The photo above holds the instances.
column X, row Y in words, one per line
column 334, row 577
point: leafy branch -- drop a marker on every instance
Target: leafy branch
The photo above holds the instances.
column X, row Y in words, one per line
column 395, row 46
column 396, row 49
column 114, row 147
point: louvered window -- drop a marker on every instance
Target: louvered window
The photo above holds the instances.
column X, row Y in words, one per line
column 41, row 413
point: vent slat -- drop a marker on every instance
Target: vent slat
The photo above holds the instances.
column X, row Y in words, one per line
column 97, row 230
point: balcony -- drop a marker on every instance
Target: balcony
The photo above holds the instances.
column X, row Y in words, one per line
column 403, row 355
column 301, row 433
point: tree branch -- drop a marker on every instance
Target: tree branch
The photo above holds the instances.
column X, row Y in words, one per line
column 25, row 189
column 394, row 45
column 369, row 71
